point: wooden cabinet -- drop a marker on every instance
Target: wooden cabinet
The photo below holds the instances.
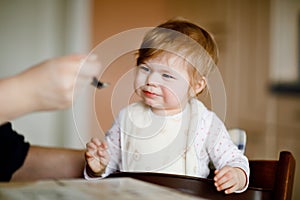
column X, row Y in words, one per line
column 288, row 124
column 288, row 130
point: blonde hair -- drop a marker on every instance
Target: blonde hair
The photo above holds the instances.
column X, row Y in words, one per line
column 185, row 39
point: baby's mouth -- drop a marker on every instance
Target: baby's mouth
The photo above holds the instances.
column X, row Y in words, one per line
column 149, row 94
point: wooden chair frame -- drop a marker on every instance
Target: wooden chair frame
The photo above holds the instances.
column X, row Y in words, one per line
column 269, row 180
column 274, row 175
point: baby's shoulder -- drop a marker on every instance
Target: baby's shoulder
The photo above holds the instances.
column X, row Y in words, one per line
column 208, row 121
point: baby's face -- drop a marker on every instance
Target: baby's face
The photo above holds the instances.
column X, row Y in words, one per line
column 163, row 83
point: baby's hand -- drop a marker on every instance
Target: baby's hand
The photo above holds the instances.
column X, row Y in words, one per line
column 230, row 179
column 97, row 156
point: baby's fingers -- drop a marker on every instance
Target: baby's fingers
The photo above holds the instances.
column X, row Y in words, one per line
column 89, row 154
column 226, row 184
column 103, row 153
column 91, row 146
column 104, row 160
column 231, row 190
column 104, row 145
column 96, row 141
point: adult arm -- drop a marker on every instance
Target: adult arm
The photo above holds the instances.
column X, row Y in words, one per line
column 51, row 163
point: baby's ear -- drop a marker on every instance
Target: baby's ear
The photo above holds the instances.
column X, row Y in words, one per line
column 199, row 85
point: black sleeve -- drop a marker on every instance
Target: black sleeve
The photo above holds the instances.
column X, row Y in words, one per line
column 13, row 151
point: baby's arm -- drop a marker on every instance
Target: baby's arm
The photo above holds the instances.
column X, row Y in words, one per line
column 232, row 174
column 97, row 157
column 230, row 179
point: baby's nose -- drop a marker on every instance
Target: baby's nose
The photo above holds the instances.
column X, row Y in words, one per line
column 153, row 79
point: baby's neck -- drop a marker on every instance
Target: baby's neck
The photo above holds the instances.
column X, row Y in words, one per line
column 167, row 112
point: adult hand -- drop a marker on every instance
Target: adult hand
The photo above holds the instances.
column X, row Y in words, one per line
column 46, row 86
column 51, row 83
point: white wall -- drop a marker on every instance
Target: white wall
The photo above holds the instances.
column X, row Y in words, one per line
column 34, row 30
column 284, row 40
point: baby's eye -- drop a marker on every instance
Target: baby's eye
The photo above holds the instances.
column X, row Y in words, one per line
column 144, row 68
column 168, row 76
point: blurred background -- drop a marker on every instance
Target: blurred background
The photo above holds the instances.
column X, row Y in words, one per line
column 259, row 60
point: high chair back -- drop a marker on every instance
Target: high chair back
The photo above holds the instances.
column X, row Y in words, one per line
column 276, row 176
column 239, row 138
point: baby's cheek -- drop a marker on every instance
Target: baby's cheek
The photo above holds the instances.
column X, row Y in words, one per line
column 178, row 91
column 171, row 97
column 137, row 84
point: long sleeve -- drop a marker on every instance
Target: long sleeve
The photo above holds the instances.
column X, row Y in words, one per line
column 114, row 150
column 222, row 151
column 14, row 151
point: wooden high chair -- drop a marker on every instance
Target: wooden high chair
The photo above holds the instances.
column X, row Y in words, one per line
column 276, row 176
